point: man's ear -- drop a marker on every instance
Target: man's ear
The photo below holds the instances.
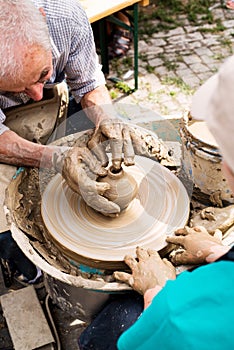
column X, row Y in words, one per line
column 42, row 11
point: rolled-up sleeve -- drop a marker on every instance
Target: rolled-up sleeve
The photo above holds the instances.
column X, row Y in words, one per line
column 83, row 71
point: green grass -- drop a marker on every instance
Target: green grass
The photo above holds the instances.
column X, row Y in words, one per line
column 169, row 14
column 149, row 68
column 179, row 83
column 124, row 87
column 170, row 65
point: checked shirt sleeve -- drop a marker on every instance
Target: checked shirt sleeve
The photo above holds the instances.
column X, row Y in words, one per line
column 83, row 71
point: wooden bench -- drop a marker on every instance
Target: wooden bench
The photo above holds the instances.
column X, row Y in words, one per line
column 104, row 10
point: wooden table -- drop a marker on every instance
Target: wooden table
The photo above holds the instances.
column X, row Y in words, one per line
column 97, row 10
column 104, row 10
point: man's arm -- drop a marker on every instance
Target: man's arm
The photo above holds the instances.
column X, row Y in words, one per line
column 71, row 164
column 17, row 151
column 95, row 102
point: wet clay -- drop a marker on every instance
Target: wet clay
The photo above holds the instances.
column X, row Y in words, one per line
column 23, row 201
column 123, row 187
column 213, row 218
column 202, row 162
column 95, row 240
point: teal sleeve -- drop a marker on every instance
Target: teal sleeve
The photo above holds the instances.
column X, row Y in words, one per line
column 143, row 334
column 194, row 311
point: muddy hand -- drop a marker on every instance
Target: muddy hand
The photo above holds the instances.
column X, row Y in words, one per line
column 125, row 141
column 148, row 270
column 198, row 244
column 148, row 145
column 117, row 134
column 80, row 168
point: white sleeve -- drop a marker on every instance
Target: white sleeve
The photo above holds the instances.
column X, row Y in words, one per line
column 2, row 119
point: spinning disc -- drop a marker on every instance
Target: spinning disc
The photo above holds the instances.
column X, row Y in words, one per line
column 160, row 207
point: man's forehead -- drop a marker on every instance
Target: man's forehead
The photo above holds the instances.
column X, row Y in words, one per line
column 35, row 55
column 36, row 66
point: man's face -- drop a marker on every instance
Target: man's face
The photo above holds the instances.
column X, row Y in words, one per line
column 37, row 70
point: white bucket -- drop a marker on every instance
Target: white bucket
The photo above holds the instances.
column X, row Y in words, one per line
column 201, row 161
column 81, row 297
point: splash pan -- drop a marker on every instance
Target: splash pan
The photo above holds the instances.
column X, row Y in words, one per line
column 86, row 236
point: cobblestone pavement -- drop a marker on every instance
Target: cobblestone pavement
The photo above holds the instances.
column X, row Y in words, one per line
column 172, row 64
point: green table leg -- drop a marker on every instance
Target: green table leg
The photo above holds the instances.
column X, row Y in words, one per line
column 135, row 42
column 104, row 46
column 104, row 41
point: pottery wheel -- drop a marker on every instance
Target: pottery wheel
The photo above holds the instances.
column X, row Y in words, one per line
column 86, row 236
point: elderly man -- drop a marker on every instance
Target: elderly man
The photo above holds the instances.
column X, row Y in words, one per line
column 194, row 310
column 44, row 42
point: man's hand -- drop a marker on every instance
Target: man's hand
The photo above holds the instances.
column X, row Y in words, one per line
column 148, row 271
column 199, row 246
column 119, row 137
column 125, row 141
column 80, row 168
column 88, row 158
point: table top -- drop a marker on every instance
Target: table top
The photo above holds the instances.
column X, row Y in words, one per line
column 97, row 10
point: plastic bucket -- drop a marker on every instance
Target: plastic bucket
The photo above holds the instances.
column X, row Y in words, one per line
column 201, row 161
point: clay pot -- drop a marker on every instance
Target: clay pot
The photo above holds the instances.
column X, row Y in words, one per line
column 123, row 187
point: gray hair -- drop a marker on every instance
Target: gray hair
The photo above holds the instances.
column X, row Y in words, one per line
column 21, row 26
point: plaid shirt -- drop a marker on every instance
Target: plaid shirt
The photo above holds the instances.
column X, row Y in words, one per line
column 73, row 51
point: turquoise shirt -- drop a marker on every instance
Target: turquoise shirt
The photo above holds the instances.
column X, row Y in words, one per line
column 194, row 312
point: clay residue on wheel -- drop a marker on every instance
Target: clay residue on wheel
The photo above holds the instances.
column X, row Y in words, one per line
column 23, row 201
column 213, row 218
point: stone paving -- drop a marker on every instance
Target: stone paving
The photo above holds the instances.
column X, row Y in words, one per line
column 172, row 64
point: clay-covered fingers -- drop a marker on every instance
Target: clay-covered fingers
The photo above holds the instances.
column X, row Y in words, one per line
column 182, row 231
column 124, row 277
column 92, row 193
column 178, row 240
column 141, row 253
column 154, row 254
column 128, row 149
column 119, row 136
column 183, row 234
column 181, row 258
column 77, row 155
column 112, row 131
column 146, row 254
column 190, row 230
column 101, row 204
column 97, row 144
column 197, row 243
column 80, row 170
column 130, row 261
column 148, row 270
column 189, row 234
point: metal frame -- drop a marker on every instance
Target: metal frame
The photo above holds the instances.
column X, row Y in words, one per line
column 104, row 44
